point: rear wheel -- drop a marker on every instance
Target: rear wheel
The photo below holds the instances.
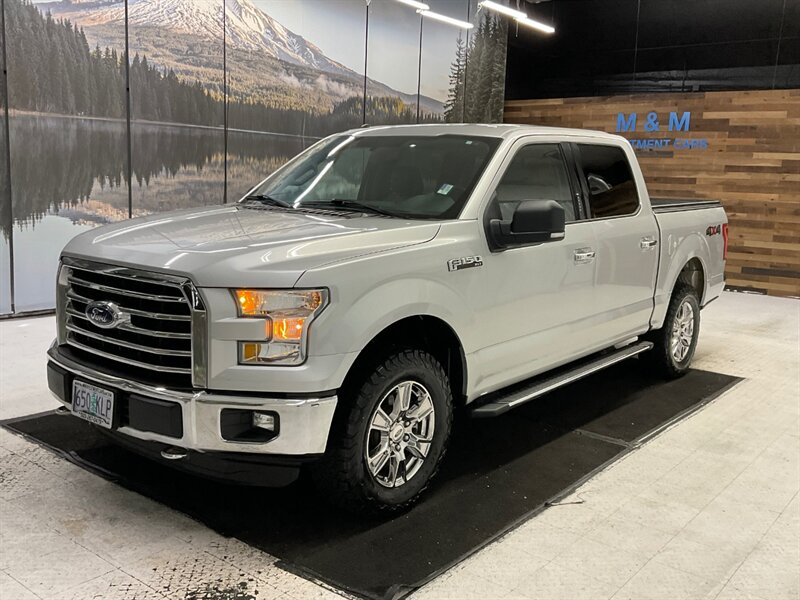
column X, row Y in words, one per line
column 675, row 342
column 389, row 436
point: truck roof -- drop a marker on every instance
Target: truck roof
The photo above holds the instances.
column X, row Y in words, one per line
column 504, row 130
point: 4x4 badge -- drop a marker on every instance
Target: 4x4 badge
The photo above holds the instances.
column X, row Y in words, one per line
column 465, row 262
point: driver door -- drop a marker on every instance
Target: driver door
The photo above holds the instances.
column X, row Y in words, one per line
column 537, row 304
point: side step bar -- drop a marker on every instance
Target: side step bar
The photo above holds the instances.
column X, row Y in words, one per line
column 539, row 387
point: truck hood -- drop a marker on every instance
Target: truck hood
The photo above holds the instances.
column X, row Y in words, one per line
column 234, row 245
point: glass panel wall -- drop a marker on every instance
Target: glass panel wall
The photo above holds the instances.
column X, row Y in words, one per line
column 67, row 137
column 442, row 69
column 392, row 64
column 177, row 113
column 6, row 220
column 221, row 94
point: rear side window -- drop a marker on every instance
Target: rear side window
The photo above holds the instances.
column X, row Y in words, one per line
column 612, row 190
column 537, row 172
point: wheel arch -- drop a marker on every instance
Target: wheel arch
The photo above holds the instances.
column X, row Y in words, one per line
column 687, row 262
column 421, row 331
column 693, row 274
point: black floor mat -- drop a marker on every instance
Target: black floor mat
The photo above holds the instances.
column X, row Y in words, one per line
column 497, row 472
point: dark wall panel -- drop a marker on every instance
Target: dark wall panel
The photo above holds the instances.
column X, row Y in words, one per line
column 629, row 46
column 679, row 23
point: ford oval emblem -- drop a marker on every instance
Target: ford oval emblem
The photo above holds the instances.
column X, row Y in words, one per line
column 104, row 314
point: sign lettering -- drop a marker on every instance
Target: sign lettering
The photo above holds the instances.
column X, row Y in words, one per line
column 652, row 123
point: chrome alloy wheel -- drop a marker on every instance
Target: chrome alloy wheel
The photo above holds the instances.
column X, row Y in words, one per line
column 682, row 332
column 400, row 434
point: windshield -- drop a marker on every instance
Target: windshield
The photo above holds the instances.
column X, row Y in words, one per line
column 417, row 177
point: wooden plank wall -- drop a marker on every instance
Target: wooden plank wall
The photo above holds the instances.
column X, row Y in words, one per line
column 751, row 164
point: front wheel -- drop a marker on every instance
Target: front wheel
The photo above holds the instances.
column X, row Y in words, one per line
column 676, row 341
column 389, row 436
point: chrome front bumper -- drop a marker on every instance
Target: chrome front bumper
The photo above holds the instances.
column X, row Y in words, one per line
column 304, row 421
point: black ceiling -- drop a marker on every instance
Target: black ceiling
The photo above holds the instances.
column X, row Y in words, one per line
column 618, row 46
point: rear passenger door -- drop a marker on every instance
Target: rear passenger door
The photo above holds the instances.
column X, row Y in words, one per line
column 627, row 238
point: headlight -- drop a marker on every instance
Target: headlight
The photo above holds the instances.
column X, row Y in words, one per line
column 288, row 315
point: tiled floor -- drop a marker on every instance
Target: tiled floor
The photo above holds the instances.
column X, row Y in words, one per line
column 709, row 509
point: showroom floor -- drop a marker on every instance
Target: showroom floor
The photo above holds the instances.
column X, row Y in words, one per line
column 708, row 509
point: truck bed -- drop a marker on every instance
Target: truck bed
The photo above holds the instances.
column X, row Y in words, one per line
column 664, row 205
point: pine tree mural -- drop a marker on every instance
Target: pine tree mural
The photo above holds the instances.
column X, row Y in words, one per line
column 454, row 106
column 55, row 71
column 477, row 75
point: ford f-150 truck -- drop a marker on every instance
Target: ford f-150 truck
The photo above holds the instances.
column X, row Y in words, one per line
column 384, row 278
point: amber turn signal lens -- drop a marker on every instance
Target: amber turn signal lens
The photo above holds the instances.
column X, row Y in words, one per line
column 290, row 329
column 250, row 351
column 248, row 301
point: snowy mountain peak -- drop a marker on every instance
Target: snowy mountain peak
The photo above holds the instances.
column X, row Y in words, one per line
column 248, row 27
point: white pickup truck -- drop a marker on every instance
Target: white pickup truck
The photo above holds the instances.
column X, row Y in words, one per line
column 386, row 277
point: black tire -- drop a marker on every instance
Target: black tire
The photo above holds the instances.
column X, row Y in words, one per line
column 343, row 475
column 661, row 359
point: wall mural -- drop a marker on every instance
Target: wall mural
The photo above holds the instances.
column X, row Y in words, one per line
column 288, row 72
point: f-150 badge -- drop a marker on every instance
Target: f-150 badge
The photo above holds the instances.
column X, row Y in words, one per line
column 465, row 262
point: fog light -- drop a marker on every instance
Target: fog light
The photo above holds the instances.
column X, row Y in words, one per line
column 264, row 420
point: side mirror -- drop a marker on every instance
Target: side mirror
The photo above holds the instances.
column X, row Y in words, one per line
column 533, row 222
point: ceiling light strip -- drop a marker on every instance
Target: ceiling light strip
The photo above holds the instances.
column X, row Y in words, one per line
column 415, row 4
column 536, row 25
column 505, row 10
column 445, row 19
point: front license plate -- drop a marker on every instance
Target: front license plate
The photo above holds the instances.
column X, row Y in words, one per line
column 92, row 403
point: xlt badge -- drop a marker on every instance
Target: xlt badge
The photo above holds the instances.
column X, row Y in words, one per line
column 465, row 262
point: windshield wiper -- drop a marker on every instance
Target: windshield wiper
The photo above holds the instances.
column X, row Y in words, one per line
column 267, row 199
column 352, row 204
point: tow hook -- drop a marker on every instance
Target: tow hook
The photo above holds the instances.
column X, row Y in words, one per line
column 174, row 453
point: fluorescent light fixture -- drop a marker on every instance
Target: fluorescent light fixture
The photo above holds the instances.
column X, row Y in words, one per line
column 415, row 4
column 445, row 19
column 501, row 8
column 536, row 25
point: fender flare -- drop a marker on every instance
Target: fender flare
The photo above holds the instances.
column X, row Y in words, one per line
column 693, row 246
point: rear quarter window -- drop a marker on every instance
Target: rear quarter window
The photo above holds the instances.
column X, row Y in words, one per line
column 608, row 176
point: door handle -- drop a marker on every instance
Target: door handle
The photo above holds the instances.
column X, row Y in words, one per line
column 647, row 242
column 584, row 255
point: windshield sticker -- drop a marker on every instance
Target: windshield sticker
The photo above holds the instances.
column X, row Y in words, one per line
column 445, row 189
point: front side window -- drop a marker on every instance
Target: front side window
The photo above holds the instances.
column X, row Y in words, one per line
column 417, row 177
column 612, row 189
column 537, row 172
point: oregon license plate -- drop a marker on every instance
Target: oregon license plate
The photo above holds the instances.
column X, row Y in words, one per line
column 92, row 403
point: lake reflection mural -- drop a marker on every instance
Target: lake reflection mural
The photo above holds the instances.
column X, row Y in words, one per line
column 84, row 153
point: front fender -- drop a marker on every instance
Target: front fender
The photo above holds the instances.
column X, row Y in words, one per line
column 359, row 319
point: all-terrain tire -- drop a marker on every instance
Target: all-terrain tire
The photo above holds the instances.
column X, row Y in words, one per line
column 664, row 359
column 342, row 475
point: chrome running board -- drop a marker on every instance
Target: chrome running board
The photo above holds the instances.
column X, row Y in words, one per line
column 549, row 382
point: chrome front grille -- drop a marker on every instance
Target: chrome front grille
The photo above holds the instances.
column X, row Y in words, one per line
column 152, row 341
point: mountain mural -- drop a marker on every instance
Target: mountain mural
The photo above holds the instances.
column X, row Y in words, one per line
column 267, row 62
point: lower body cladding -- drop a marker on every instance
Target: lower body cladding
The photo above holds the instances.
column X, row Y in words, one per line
column 238, row 438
